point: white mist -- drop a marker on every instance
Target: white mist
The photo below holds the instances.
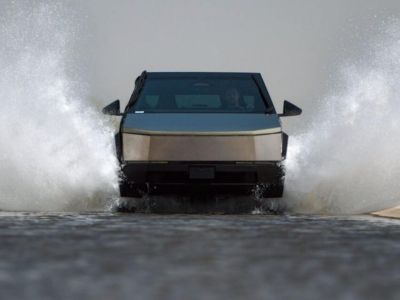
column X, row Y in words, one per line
column 56, row 153
column 348, row 159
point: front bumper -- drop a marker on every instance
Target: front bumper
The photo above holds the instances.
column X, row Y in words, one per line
column 194, row 177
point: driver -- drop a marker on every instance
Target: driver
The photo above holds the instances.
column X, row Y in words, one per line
column 231, row 99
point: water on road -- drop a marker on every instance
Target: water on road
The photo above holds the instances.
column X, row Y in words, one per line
column 147, row 256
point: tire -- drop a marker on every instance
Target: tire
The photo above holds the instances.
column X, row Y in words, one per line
column 127, row 189
column 273, row 190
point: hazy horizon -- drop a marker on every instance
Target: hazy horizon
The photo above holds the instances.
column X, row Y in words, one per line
column 296, row 45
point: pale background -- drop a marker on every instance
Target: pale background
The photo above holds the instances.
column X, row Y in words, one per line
column 297, row 45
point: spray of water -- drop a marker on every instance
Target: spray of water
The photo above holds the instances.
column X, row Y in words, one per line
column 347, row 161
column 56, row 153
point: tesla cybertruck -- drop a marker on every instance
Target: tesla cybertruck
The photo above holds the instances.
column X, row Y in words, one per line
column 200, row 133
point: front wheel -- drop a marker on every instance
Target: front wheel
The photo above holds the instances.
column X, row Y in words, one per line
column 129, row 189
column 273, row 190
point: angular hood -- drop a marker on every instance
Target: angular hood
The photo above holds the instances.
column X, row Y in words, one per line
column 201, row 124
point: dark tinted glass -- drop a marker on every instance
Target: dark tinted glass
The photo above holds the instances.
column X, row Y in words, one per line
column 201, row 95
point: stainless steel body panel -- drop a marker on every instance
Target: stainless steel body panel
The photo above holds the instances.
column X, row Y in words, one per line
column 201, row 137
column 202, row 148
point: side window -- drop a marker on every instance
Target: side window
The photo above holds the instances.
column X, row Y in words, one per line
column 249, row 101
column 151, row 101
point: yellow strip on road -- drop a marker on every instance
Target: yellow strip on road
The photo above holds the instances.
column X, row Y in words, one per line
column 388, row 213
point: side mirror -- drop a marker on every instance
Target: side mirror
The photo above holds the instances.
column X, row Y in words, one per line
column 289, row 110
column 112, row 109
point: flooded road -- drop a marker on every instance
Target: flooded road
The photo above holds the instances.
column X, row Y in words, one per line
column 145, row 256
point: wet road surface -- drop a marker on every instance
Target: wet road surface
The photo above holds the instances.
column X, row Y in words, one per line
column 147, row 256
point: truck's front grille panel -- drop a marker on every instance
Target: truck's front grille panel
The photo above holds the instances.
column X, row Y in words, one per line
column 202, row 148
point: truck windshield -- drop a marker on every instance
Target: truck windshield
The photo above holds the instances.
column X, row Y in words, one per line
column 175, row 95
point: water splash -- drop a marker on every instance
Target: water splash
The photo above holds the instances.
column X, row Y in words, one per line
column 56, row 151
column 347, row 161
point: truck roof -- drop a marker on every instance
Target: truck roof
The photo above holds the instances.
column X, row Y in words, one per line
column 201, row 74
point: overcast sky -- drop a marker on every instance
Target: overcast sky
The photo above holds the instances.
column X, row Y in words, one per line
column 296, row 44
